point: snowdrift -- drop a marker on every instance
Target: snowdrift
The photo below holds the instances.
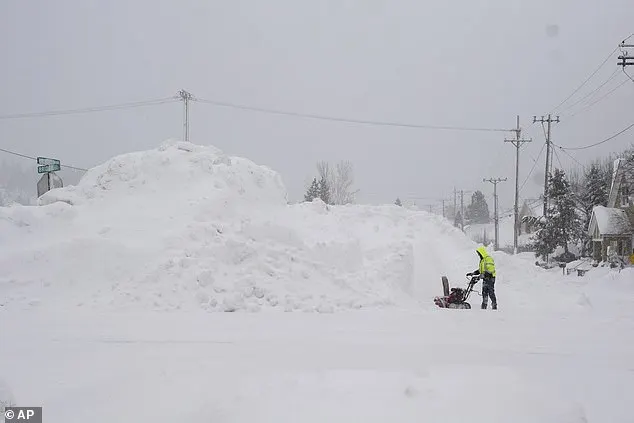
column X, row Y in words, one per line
column 188, row 227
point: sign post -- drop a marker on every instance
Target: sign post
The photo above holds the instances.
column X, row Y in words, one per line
column 49, row 178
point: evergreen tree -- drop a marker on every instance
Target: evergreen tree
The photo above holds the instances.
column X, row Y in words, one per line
column 313, row 191
column 544, row 241
column 597, row 185
column 323, row 190
column 562, row 224
column 478, row 210
column 592, row 190
column 457, row 220
column 398, row 202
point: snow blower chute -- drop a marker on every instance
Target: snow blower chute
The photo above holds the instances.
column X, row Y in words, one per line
column 455, row 297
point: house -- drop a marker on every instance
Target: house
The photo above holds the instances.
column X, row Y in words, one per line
column 530, row 214
column 622, row 188
column 612, row 226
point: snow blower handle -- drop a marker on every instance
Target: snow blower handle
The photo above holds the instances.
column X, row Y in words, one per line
column 474, row 278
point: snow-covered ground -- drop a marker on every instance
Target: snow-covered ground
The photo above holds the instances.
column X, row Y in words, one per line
column 114, row 293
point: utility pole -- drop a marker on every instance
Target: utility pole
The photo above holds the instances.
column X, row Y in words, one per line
column 455, row 204
column 462, row 210
column 548, row 158
column 624, row 59
column 443, row 209
column 186, row 97
column 517, row 142
column 495, row 202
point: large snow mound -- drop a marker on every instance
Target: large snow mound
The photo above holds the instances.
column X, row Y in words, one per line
column 189, row 227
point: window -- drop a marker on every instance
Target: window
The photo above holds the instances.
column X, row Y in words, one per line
column 625, row 195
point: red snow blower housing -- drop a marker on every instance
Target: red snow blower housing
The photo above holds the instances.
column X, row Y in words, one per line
column 455, row 297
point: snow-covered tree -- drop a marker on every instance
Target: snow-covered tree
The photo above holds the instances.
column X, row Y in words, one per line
column 323, row 191
column 457, row 220
column 339, row 181
column 478, row 210
column 313, row 191
column 398, row 202
column 562, row 224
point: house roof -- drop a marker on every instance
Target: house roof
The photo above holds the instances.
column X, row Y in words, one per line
column 623, row 172
column 610, row 221
column 532, row 207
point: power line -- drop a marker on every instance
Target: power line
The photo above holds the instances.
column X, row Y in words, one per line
column 533, row 168
column 90, row 109
column 558, row 159
column 35, row 158
column 600, row 142
column 570, row 106
column 345, row 120
column 586, row 80
column 599, row 99
column 571, row 156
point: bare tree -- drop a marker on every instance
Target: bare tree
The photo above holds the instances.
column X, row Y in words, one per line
column 340, row 181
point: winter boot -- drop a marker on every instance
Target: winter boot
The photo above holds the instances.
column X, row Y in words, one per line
column 483, row 306
column 494, row 306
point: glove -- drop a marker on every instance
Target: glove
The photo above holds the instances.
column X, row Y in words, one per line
column 469, row 274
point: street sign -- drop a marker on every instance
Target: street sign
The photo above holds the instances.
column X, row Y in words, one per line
column 42, row 185
column 47, row 161
column 47, row 182
column 48, row 168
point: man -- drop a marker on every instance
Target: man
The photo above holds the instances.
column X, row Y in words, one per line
column 486, row 271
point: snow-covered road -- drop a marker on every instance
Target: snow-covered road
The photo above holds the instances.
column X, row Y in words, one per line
column 441, row 366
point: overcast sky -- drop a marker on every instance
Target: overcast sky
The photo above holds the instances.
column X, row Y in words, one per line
column 457, row 63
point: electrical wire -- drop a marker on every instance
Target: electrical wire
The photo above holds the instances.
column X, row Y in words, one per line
column 533, row 168
column 345, row 120
column 586, row 80
column 35, row 158
column 571, row 156
column 599, row 99
column 570, row 106
column 90, row 109
column 561, row 166
column 600, row 142
column 628, row 75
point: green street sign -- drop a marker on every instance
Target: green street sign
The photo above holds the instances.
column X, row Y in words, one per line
column 48, row 168
column 47, row 161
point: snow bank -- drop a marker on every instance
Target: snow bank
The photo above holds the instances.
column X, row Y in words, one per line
column 188, row 227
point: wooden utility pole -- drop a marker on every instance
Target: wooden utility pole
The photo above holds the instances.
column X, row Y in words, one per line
column 455, row 204
column 462, row 210
column 186, row 97
column 548, row 158
column 495, row 202
column 517, row 142
column 625, row 59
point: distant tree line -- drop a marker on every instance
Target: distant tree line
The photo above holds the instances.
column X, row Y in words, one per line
column 334, row 184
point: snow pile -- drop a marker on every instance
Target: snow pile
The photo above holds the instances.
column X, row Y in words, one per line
column 188, row 227
column 609, row 291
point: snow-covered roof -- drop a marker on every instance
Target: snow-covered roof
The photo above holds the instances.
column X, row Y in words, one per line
column 532, row 207
column 610, row 221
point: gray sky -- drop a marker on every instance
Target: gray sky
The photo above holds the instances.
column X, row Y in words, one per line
column 460, row 63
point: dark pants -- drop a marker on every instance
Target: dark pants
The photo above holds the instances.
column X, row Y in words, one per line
column 488, row 290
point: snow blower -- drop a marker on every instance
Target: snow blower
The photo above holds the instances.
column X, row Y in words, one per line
column 455, row 297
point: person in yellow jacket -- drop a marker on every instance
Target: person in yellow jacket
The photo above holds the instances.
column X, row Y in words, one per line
column 486, row 271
